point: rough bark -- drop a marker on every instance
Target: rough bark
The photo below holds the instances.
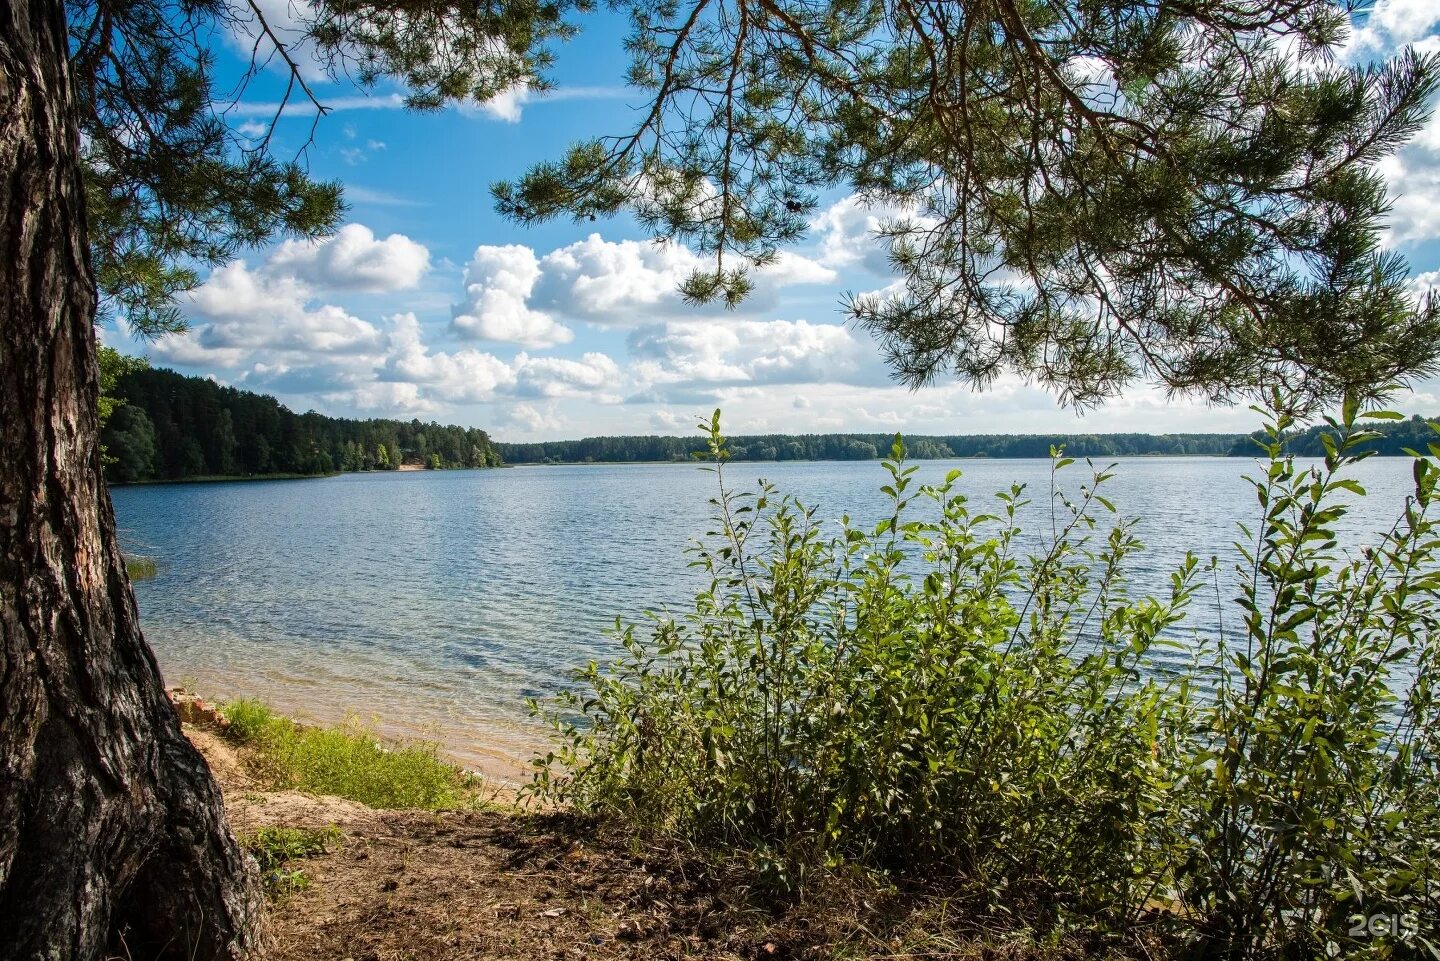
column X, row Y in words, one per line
column 112, row 831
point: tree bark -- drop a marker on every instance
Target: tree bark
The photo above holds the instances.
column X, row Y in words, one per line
column 112, row 831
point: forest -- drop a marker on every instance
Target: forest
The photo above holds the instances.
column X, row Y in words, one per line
column 868, row 447
column 1396, row 438
column 166, row 426
column 162, row 425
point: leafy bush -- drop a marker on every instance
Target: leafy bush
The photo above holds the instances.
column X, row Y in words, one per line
column 925, row 698
column 349, row 760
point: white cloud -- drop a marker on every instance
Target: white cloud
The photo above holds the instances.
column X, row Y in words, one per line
column 847, row 234
column 386, row 398
column 791, row 269
column 245, row 310
column 1422, row 284
column 234, row 291
column 353, row 259
column 270, row 318
column 1390, row 24
column 671, row 422
column 509, row 105
column 288, row 21
column 690, row 359
column 463, row 376
column 628, row 283
column 594, row 374
column 611, row 282
column 530, row 420
column 1413, row 178
column 473, row 376
column 1413, row 174
column 498, row 284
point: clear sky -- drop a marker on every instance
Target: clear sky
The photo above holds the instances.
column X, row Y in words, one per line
column 428, row 304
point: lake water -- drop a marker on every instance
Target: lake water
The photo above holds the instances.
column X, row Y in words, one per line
column 436, row 602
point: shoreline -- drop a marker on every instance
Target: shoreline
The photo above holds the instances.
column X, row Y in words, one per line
column 500, row 756
column 246, row 478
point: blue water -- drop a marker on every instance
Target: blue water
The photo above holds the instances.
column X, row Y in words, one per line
column 437, row 601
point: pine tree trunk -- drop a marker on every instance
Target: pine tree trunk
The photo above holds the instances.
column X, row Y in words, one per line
column 112, row 830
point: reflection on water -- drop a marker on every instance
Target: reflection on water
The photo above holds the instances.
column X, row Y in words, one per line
column 438, row 601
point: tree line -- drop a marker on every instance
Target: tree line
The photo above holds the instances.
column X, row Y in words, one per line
column 763, row 447
column 166, row 426
column 161, row 425
column 1398, row 438
column 1395, row 439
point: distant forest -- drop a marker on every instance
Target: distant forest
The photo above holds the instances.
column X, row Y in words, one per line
column 166, row 426
column 868, row 447
column 1398, row 438
column 1415, row 433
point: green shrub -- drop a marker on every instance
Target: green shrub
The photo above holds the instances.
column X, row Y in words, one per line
column 926, row 698
column 350, row 761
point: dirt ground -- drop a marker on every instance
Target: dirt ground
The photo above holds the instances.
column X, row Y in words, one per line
column 417, row 886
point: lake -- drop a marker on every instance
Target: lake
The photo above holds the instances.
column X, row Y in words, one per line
column 436, row 602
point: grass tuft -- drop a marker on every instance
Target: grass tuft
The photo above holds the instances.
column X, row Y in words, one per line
column 140, row 568
column 349, row 760
column 274, row 848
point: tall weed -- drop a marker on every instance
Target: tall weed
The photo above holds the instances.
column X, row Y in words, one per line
column 925, row 698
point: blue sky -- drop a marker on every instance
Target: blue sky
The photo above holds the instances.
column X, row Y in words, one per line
column 428, row 304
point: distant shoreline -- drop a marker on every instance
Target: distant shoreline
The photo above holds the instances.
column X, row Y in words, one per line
column 232, row 478
column 220, row 479
column 701, row 461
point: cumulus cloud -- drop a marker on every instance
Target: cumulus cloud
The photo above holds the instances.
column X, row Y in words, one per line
column 507, row 105
column 671, row 422
column 1389, row 24
column 593, row 374
column 791, row 269
column 1422, row 284
column 528, row 419
column 847, row 234
column 1413, row 174
column 353, row 259
column 243, row 310
column 271, row 321
column 1413, row 179
column 288, row 20
column 386, row 398
column 474, row 376
column 613, row 282
column 515, row 296
column 678, row 359
column 498, row 285
column 462, row 376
